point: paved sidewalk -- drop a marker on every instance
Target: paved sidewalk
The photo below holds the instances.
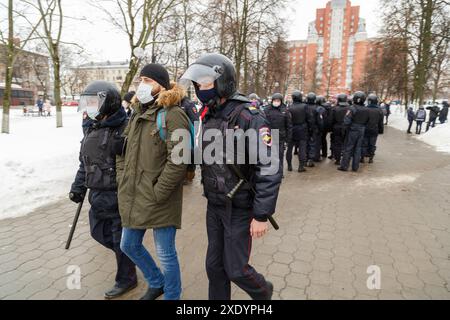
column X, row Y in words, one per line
column 394, row 214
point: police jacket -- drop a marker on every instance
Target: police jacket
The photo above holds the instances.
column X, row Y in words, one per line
column 218, row 179
column 97, row 170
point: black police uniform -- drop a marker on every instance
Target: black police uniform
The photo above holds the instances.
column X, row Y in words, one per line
column 314, row 125
column 375, row 126
column 299, row 115
column 280, row 118
column 228, row 222
column 326, row 128
column 338, row 129
column 357, row 118
column 97, row 172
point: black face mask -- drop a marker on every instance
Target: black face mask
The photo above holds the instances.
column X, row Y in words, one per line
column 206, row 96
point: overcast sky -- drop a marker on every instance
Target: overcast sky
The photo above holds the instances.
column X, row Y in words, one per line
column 103, row 42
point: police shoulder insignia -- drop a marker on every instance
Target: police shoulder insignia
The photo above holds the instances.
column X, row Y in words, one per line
column 266, row 136
column 253, row 109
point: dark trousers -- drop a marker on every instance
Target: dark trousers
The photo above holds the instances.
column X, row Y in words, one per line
column 410, row 126
column 229, row 247
column 337, row 143
column 108, row 232
column 369, row 145
column 353, row 148
column 324, row 144
column 431, row 123
column 281, row 151
column 314, row 146
column 419, row 127
column 301, row 145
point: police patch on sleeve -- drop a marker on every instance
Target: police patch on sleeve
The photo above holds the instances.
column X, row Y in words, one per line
column 266, row 136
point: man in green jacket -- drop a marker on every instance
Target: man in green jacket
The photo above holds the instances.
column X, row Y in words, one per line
column 150, row 183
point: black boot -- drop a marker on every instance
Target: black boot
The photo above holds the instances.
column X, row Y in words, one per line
column 342, row 169
column 310, row 164
column 117, row 291
column 290, row 167
column 362, row 160
column 153, row 294
column 269, row 290
column 371, row 160
column 301, row 168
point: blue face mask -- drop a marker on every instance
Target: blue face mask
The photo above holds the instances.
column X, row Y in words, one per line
column 206, row 95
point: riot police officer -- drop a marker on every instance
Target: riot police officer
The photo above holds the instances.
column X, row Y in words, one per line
column 104, row 122
column 338, row 128
column 280, row 119
column 324, row 110
column 356, row 119
column 314, row 125
column 374, row 127
column 299, row 115
column 233, row 221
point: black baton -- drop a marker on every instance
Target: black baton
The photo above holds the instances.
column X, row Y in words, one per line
column 74, row 224
column 242, row 180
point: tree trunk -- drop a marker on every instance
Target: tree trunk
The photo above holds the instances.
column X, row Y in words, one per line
column 57, row 87
column 9, row 70
column 133, row 67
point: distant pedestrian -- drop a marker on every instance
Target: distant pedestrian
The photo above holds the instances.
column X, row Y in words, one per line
column 420, row 117
column 444, row 113
column 411, row 116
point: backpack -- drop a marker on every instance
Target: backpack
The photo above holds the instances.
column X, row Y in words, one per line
column 421, row 115
column 162, row 128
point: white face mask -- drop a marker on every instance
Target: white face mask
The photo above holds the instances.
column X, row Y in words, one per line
column 144, row 93
column 276, row 104
column 92, row 112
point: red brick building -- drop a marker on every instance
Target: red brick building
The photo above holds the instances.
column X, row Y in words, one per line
column 332, row 59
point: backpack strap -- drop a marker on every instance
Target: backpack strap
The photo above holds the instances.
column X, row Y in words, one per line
column 161, row 123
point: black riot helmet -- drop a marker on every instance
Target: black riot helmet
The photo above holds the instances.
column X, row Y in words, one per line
column 311, row 98
column 277, row 96
column 100, row 98
column 359, row 98
column 253, row 96
column 372, row 99
column 342, row 99
column 213, row 67
column 320, row 100
column 297, row 96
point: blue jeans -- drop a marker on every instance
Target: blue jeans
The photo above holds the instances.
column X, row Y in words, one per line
column 170, row 277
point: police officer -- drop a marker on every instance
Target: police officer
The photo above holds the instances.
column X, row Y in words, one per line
column 104, row 122
column 231, row 224
column 374, row 127
column 324, row 110
column 356, row 119
column 314, row 125
column 280, row 119
column 126, row 103
column 338, row 128
column 299, row 115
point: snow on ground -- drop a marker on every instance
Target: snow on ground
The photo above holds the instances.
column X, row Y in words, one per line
column 37, row 161
column 438, row 137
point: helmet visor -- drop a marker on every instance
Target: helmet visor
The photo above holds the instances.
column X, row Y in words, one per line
column 201, row 74
column 92, row 102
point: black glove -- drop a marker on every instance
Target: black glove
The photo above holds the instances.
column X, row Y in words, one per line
column 76, row 197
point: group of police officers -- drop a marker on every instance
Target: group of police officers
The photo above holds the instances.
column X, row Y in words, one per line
column 304, row 125
column 124, row 139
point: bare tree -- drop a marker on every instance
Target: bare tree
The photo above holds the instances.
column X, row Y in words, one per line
column 138, row 19
column 11, row 54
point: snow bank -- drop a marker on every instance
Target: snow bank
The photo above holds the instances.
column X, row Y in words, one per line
column 438, row 137
column 37, row 161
